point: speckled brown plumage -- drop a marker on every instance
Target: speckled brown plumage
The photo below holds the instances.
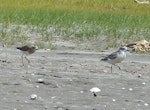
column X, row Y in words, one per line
column 26, row 50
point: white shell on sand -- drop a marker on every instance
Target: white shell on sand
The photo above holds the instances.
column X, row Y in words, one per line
column 95, row 90
column 40, row 80
column 33, row 97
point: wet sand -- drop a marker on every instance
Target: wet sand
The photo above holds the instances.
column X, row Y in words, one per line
column 68, row 76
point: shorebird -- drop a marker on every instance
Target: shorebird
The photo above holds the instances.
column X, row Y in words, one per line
column 116, row 57
column 27, row 50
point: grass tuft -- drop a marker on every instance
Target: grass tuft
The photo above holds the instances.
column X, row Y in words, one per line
column 120, row 21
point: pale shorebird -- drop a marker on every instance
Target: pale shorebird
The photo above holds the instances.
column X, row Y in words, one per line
column 27, row 50
column 116, row 57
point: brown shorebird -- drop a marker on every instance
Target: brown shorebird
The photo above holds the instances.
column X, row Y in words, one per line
column 27, row 50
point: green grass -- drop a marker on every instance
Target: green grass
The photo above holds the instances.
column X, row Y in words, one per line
column 120, row 21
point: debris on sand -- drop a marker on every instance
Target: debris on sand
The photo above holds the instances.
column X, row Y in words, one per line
column 94, row 90
column 142, row 2
column 33, row 97
column 40, row 80
column 142, row 46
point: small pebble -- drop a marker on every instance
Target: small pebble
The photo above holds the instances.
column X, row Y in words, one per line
column 105, row 71
column 48, row 49
column 105, row 106
column 40, row 80
column 32, row 74
column 123, row 88
column 53, row 97
column 60, row 108
column 138, row 105
column 113, row 100
column 146, row 104
column 139, row 75
column 143, row 83
column 126, row 100
column 39, row 98
column 42, row 67
column 33, row 97
column 69, row 79
column 26, row 101
column 46, row 107
column 94, row 109
column 130, row 89
column 37, row 86
column 81, row 92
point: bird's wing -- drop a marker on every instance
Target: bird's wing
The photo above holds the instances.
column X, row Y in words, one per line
column 24, row 48
column 111, row 56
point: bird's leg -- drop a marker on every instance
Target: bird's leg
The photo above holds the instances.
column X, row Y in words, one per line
column 27, row 59
column 27, row 71
column 118, row 67
column 22, row 59
column 111, row 68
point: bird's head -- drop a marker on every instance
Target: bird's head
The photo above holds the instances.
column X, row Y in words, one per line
column 123, row 48
column 34, row 47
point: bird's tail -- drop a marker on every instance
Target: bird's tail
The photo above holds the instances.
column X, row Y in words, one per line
column 104, row 59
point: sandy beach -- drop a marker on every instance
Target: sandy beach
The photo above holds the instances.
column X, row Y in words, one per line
column 66, row 79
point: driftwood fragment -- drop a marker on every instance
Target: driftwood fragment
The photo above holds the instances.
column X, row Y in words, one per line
column 142, row 2
column 142, row 46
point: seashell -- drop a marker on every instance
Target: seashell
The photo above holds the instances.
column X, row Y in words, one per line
column 81, row 92
column 130, row 89
column 37, row 86
column 33, row 74
column 40, row 80
column 113, row 100
column 143, row 83
column 94, row 90
column 105, row 71
column 146, row 104
column 53, row 97
column 33, row 97
column 123, row 88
